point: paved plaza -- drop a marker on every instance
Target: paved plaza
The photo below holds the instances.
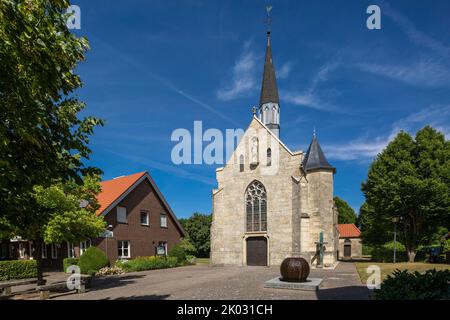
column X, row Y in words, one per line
column 236, row 283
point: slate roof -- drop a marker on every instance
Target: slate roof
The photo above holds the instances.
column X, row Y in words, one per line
column 348, row 230
column 269, row 89
column 315, row 158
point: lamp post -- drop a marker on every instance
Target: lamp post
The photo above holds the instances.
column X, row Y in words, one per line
column 395, row 221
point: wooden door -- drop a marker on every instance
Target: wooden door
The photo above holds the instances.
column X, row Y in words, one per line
column 257, row 251
column 347, row 251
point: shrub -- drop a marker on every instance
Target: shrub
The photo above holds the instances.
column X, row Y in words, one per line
column 92, row 260
column 190, row 259
column 147, row 263
column 403, row 285
column 178, row 252
column 67, row 262
column 109, row 271
column 188, row 247
column 17, row 269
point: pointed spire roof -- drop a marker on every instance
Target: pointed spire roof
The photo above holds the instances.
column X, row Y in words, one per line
column 269, row 89
column 315, row 158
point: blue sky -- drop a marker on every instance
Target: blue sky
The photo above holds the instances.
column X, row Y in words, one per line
column 155, row 66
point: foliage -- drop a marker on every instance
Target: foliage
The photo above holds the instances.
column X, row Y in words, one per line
column 67, row 262
column 385, row 253
column 366, row 250
column 198, row 228
column 190, row 259
column 404, row 285
column 346, row 214
column 147, row 263
column 110, row 271
column 409, row 180
column 17, row 269
column 92, row 260
column 446, row 246
column 178, row 252
column 187, row 246
column 43, row 140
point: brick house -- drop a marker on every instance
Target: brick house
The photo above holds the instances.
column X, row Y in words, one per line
column 140, row 223
column 350, row 245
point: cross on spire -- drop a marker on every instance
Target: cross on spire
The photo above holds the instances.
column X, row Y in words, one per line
column 269, row 17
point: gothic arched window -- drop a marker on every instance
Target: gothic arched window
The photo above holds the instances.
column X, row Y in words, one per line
column 269, row 157
column 256, row 207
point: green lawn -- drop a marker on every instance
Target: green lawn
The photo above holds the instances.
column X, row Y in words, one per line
column 388, row 268
column 202, row 261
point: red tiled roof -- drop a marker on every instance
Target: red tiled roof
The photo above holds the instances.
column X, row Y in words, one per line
column 348, row 230
column 113, row 189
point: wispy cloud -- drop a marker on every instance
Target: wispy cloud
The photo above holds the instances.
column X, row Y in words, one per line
column 168, row 84
column 285, row 70
column 243, row 80
column 365, row 148
column 424, row 73
column 164, row 167
column 310, row 97
column 416, row 36
column 430, row 69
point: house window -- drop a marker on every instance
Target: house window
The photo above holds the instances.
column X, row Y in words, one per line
column 3, row 251
column 241, row 163
column 144, row 218
column 70, row 250
column 122, row 215
column 44, row 251
column 269, row 157
column 84, row 246
column 256, row 207
column 54, row 251
column 123, row 248
column 163, row 220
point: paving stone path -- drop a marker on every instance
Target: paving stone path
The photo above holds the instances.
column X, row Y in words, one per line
column 235, row 283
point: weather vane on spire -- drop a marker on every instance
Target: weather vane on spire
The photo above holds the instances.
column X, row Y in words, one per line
column 269, row 17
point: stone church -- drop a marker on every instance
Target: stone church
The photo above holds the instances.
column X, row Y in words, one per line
column 271, row 202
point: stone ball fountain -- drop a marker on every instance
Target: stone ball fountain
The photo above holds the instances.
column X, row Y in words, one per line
column 294, row 269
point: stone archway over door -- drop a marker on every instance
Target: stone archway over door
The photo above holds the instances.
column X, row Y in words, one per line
column 256, row 251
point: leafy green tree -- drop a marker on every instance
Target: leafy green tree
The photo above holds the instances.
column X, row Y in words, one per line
column 410, row 180
column 198, row 228
column 346, row 214
column 42, row 139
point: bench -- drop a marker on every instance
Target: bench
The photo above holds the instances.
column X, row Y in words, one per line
column 44, row 291
column 5, row 287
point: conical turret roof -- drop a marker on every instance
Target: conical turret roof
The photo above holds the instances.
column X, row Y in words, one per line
column 315, row 158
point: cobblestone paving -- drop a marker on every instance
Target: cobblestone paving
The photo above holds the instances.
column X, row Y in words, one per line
column 235, row 283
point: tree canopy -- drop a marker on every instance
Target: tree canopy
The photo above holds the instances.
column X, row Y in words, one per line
column 410, row 180
column 198, row 228
column 346, row 214
column 43, row 141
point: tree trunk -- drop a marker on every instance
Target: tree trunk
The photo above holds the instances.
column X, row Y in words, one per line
column 38, row 250
column 411, row 254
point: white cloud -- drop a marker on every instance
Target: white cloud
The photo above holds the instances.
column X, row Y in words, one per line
column 285, row 70
column 365, row 149
column 243, row 79
column 423, row 73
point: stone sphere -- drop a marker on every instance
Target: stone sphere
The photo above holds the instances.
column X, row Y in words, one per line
column 294, row 269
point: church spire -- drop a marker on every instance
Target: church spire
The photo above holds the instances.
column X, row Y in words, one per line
column 269, row 102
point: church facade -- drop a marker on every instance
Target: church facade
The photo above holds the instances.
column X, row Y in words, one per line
column 270, row 202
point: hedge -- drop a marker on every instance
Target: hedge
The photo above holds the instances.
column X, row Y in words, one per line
column 385, row 253
column 147, row 263
column 404, row 285
column 92, row 260
column 67, row 262
column 17, row 269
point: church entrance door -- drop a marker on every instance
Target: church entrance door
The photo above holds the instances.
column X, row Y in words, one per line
column 257, row 251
